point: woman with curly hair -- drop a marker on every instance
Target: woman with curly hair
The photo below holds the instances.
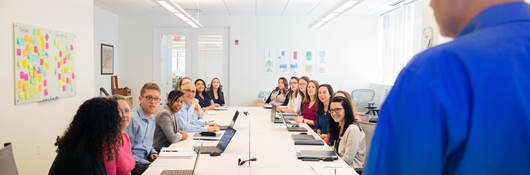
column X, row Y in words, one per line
column 94, row 130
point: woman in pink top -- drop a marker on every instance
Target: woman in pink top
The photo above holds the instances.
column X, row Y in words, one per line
column 125, row 160
column 278, row 95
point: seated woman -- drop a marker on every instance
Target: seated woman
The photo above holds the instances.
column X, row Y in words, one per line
column 216, row 92
column 294, row 98
column 324, row 99
column 166, row 131
column 93, row 134
column 278, row 95
column 181, row 81
column 309, row 105
column 346, row 95
column 204, row 99
column 125, row 161
column 345, row 134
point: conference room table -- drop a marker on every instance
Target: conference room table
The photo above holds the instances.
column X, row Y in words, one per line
column 270, row 143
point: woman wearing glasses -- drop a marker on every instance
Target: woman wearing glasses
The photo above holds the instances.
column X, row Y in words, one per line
column 345, row 134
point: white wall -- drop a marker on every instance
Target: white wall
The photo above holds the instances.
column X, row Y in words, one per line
column 33, row 128
column 350, row 42
column 106, row 32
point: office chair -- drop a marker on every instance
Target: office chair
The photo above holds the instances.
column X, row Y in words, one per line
column 364, row 99
column 368, row 129
column 7, row 160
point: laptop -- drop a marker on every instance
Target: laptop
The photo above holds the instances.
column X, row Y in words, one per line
column 275, row 119
column 302, row 137
column 221, row 146
column 317, row 155
column 232, row 123
column 293, row 128
column 183, row 172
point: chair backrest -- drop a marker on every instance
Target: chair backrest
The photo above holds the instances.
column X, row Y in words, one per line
column 7, row 161
column 368, row 129
column 362, row 97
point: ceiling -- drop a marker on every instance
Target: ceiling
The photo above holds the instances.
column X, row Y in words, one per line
column 237, row 7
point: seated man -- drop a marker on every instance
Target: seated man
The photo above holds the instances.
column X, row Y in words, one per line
column 142, row 127
column 188, row 115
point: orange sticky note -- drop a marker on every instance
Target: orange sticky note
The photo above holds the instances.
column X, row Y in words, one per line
column 30, row 39
column 25, row 87
column 25, row 53
column 40, row 88
column 34, row 74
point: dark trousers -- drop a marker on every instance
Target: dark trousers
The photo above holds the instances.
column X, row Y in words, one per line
column 139, row 169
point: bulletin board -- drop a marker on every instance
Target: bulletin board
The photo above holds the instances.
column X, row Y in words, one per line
column 290, row 62
column 44, row 64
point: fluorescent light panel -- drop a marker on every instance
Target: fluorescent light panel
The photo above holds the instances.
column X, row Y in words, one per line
column 179, row 12
column 334, row 12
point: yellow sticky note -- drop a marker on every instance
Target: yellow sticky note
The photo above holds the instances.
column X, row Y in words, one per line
column 72, row 57
column 47, row 67
column 55, row 42
column 20, row 84
column 30, row 69
column 66, row 69
column 40, row 88
column 31, row 94
column 56, row 58
column 70, row 82
column 34, row 74
column 44, row 59
column 25, row 63
column 41, row 39
column 58, row 45
column 63, row 78
column 40, row 78
column 21, row 95
column 40, row 54
column 19, row 64
column 66, row 56
column 60, row 84
column 61, row 63
column 30, row 39
column 38, row 31
column 27, row 95
column 62, row 70
column 26, row 38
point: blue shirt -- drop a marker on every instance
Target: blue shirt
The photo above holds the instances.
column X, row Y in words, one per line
column 187, row 119
column 322, row 123
column 462, row 107
column 141, row 131
column 204, row 102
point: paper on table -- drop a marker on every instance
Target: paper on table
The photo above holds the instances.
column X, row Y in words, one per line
column 176, row 152
column 320, row 169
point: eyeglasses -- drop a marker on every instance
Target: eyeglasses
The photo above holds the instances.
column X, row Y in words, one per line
column 335, row 110
column 188, row 90
column 151, row 98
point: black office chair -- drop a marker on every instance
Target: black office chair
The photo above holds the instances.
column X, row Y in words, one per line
column 7, row 160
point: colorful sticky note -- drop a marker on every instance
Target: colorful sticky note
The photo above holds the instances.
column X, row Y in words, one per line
column 46, row 36
column 46, row 66
column 21, row 95
column 40, row 78
column 41, row 62
column 20, row 84
column 21, row 75
column 67, row 81
column 59, row 76
column 25, row 87
column 71, row 47
column 60, row 53
column 27, row 95
column 25, row 53
column 47, row 46
column 64, row 88
column 31, row 93
column 40, row 88
column 36, row 49
column 73, row 75
column 45, row 83
column 45, row 92
column 41, row 39
column 25, row 63
column 71, row 57
column 58, row 64
column 63, row 79
column 38, row 31
column 18, row 63
column 64, row 61
column 26, row 38
column 66, row 56
column 19, row 52
column 35, row 74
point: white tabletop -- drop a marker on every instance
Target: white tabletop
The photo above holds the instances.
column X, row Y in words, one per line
column 270, row 143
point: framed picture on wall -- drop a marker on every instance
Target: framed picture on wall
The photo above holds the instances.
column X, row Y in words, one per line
column 107, row 59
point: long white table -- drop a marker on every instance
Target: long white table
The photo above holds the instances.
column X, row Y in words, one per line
column 270, row 143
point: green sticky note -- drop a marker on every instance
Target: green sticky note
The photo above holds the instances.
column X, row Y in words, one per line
column 19, row 64
column 21, row 95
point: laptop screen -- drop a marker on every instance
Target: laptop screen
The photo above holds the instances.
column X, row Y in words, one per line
column 273, row 113
column 234, row 119
column 225, row 139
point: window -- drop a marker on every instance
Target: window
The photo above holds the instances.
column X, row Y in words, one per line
column 396, row 41
column 178, row 57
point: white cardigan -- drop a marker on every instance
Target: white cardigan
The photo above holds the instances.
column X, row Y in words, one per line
column 352, row 146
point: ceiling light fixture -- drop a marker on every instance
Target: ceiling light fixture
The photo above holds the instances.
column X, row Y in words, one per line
column 178, row 11
column 334, row 12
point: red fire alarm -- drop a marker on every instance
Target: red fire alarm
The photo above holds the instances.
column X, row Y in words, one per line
column 237, row 42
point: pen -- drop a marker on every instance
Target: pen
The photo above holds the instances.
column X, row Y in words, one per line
column 335, row 171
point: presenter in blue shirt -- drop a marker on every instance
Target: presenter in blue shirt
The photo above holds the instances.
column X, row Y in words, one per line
column 462, row 107
column 142, row 128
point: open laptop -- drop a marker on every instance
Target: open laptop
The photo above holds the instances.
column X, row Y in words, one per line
column 232, row 123
column 275, row 119
column 293, row 128
column 221, row 146
column 183, row 172
column 317, row 155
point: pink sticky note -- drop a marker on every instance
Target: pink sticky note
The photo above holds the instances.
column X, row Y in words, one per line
column 64, row 60
column 19, row 52
column 45, row 92
column 59, row 76
column 46, row 36
column 38, row 68
column 60, row 53
column 41, row 62
column 47, row 46
column 64, row 88
column 45, row 83
column 35, row 49
column 67, row 79
column 26, row 77
column 71, row 47
column 58, row 64
column 73, row 76
column 22, row 77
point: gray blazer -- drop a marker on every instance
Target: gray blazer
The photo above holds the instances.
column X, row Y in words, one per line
column 166, row 131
